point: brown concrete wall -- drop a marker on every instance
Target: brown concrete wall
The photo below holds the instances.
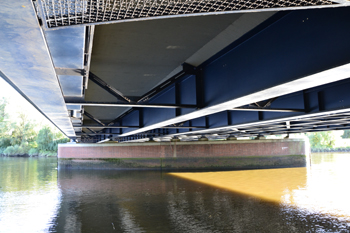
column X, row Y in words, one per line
column 209, row 155
column 184, row 149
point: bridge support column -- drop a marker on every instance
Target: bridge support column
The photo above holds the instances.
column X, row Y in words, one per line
column 201, row 155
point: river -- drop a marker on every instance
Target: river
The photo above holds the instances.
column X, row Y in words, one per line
column 36, row 197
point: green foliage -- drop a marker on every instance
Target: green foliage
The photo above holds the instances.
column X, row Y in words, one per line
column 48, row 153
column 5, row 139
column 3, row 122
column 16, row 150
column 2, row 149
column 44, row 138
column 3, row 115
column 20, row 136
column 5, row 142
column 33, row 152
column 53, row 146
column 23, row 131
column 320, row 140
column 346, row 134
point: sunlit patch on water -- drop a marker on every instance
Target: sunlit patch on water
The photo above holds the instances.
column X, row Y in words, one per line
column 323, row 188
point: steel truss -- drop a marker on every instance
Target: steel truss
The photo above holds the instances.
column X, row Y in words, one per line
column 269, row 95
column 272, row 123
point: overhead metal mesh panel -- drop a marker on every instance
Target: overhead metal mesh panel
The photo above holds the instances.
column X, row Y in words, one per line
column 74, row 12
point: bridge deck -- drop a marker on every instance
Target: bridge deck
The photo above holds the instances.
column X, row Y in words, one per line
column 243, row 73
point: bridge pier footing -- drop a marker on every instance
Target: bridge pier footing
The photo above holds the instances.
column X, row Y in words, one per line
column 201, row 155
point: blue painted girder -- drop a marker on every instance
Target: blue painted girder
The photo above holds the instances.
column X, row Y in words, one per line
column 290, row 52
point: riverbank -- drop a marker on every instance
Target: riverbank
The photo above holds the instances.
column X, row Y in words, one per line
column 48, row 154
column 325, row 150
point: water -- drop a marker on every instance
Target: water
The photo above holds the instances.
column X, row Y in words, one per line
column 35, row 197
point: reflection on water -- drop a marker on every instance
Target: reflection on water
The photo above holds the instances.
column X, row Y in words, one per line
column 327, row 190
column 29, row 196
column 280, row 200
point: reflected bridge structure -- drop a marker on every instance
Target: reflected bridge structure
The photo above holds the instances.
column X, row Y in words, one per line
column 133, row 71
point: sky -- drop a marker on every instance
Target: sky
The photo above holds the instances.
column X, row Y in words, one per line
column 17, row 104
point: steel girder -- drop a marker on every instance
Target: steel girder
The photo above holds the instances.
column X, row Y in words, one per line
column 301, row 57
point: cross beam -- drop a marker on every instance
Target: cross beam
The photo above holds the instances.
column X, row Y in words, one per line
column 118, row 104
column 267, row 109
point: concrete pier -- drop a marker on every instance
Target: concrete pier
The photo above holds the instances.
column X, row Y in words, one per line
column 201, row 155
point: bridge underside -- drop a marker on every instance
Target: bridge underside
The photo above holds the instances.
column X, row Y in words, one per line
column 239, row 72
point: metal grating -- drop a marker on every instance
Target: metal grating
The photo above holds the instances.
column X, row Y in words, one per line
column 58, row 13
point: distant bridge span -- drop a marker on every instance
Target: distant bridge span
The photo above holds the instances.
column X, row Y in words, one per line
column 107, row 70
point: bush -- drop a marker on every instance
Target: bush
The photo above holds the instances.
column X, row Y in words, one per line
column 16, row 150
column 9, row 150
column 47, row 153
column 2, row 149
column 33, row 152
column 5, row 142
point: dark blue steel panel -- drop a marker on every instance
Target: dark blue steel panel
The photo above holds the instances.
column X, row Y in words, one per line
column 240, row 117
column 336, row 97
column 132, row 119
column 311, row 102
column 292, row 101
column 155, row 115
column 188, row 93
column 171, row 131
column 328, row 97
column 218, row 119
column 200, row 122
column 184, row 130
column 299, row 44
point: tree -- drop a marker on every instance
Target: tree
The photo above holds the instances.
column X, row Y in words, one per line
column 324, row 139
column 346, row 134
column 3, row 115
column 4, row 126
column 23, row 131
column 44, row 139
